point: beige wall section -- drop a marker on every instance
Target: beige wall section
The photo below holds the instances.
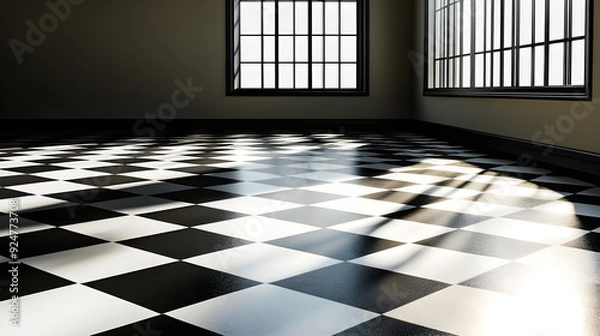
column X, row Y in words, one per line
column 511, row 117
column 119, row 59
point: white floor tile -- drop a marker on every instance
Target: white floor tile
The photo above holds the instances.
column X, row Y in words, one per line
column 96, row 262
column 34, row 203
column 522, row 230
column 123, row 228
column 435, row 161
column 565, row 208
column 263, row 263
column 391, row 229
column 343, row 189
column 268, row 310
column 157, row 175
column 328, row 176
column 86, row 164
column 414, row 178
column 246, row 175
column 574, row 262
column 474, row 208
column 50, row 187
column 477, row 312
column 153, row 188
column 458, row 169
column 256, row 228
column 70, row 174
column 71, row 311
column 7, row 173
column 163, row 165
column 364, row 206
column 431, row 263
column 252, row 205
column 16, row 164
column 498, row 180
column 140, row 205
column 517, row 191
column 439, row 191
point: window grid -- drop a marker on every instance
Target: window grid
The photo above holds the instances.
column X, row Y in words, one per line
column 314, row 67
column 488, row 47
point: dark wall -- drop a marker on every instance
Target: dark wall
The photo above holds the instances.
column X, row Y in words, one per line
column 120, row 59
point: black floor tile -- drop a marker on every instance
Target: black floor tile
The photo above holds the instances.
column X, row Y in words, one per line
column 404, row 198
column 65, row 215
column 335, row 244
column 161, row 325
column 590, row 242
column 92, row 195
column 364, row 287
column 438, row 217
column 315, row 216
column 385, row 326
column 304, row 197
column 48, row 241
column 201, row 181
column 183, row 244
column 478, row 243
column 197, row 195
column 29, row 280
column 193, row 215
column 10, row 181
column 172, row 286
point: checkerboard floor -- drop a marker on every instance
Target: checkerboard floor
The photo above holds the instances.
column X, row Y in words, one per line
column 295, row 234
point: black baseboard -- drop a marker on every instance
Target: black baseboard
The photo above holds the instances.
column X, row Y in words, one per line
column 584, row 164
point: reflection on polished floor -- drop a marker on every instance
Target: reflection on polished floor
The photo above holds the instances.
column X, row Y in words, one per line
column 296, row 234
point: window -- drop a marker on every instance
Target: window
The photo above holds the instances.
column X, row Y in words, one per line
column 283, row 47
column 509, row 48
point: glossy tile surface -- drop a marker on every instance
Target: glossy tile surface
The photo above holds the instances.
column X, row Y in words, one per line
column 295, row 234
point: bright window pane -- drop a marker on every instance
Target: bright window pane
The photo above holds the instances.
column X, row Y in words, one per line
column 525, row 67
column 286, row 17
column 331, row 17
column 578, row 18
column 251, row 49
column 578, row 61
column 332, row 76
column 286, row 76
column 250, row 17
column 301, row 76
column 251, row 76
column 556, row 70
column 301, row 17
column 349, row 18
column 557, row 19
column 348, row 49
column 348, row 76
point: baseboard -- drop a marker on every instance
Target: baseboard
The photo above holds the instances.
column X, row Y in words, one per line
column 527, row 153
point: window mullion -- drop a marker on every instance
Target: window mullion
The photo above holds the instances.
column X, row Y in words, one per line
column 547, row 45
column 473, row 38
column 277, row 44
column 516, row 63
column 310, row 45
